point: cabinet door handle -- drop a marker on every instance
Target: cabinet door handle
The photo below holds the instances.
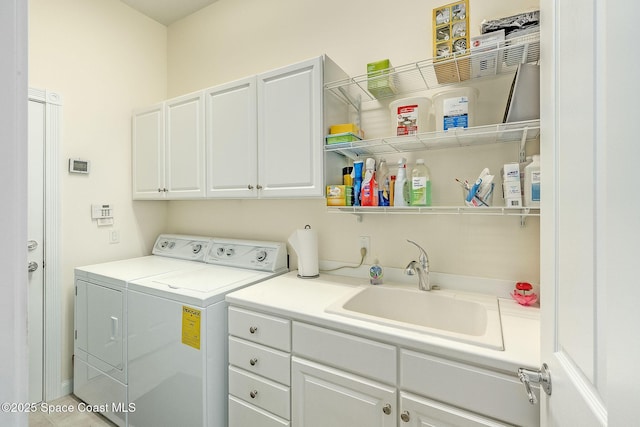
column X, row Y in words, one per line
column 253, row 394
column 405, row 416
column 250, row 187
column 253, row 361
column 253, row 329
column 259, row 187
column 386, row 409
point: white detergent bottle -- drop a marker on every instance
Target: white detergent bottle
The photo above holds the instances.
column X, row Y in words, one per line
column 401, row 190
column 532, row 183
column 420, row 184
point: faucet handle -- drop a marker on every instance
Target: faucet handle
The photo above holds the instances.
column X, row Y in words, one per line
column 423, row 254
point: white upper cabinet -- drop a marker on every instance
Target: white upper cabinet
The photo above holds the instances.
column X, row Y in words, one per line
column 231, row 134
column 258, row 137
column 290, row 131
column 168, row 150
column 264, row 134
column 184, row 144
column 148, row 153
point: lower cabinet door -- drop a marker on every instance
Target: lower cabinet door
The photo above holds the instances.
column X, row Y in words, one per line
column 416, row 411
column 323, row 396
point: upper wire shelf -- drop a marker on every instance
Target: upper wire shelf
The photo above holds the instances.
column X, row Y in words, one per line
column 452, row 138
column 432, row 73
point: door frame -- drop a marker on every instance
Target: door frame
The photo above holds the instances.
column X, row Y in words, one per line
column 52, row 327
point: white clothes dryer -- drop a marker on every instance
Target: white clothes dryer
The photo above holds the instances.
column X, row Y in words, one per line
column 100, row 345
column 177, row 356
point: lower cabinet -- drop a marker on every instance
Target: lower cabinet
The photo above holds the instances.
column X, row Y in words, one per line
column 283, row 372
column 329, row 397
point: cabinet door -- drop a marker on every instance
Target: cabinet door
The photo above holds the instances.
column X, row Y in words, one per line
column 290, row 131
column 231, row 135
column 323, row 396
column 148, row 153
column 421, row 412
column 184, row 147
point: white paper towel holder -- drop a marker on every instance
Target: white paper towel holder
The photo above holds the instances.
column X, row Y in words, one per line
column 307, row 227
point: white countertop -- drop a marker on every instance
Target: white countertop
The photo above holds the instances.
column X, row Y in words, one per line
column 306, row 300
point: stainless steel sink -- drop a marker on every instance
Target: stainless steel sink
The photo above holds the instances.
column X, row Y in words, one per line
column 469, row 318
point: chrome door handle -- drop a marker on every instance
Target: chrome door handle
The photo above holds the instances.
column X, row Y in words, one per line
column 386, row 409
column 33, row 266
column 542, row 377
column 253, row 361
column 32, row 245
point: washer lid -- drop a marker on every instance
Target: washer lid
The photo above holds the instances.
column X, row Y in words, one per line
column 201, row 286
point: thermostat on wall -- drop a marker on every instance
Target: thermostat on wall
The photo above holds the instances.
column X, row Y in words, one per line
column 78, row 166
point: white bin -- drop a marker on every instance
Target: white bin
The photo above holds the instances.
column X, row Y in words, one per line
column 410, row 116
column 455, row 108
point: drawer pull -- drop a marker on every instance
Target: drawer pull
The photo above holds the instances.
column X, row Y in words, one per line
column 253, row 329
column 405, row 416
column 253, row 361
column 386, row 409
column 253, row 394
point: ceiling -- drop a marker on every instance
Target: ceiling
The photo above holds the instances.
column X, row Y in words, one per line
column 167, row 12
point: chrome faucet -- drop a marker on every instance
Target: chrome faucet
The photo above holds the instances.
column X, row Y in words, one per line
column 421, row 268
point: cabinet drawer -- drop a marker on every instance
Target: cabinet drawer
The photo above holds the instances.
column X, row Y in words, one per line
column 350, row 353
column 241, row 414
column 260, row 392
column 261, row 360
column 260, row 328
column 478, row 390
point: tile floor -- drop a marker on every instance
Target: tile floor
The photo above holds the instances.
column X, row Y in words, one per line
column 76, row 418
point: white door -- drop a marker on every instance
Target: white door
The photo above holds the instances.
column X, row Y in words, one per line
column 148, row 153
column 35, row 248
column 232, row 143
column 323, row 396
column 290, row 131
column 589, row 224
column 184, row 147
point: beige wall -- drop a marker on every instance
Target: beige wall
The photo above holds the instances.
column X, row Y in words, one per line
column 104, row 59
column 235, row 38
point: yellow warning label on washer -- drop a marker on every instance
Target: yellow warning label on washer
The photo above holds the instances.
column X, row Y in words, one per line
column 191, row 327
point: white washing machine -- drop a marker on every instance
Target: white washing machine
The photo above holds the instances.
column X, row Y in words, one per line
column 100, row 347
column 177, row 356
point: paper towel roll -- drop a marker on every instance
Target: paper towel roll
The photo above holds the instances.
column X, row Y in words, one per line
column 305, row 243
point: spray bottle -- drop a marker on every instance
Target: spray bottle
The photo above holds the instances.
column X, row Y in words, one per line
column 357, row 182
column 383, row 179
column 369, row 196
column 401, row 191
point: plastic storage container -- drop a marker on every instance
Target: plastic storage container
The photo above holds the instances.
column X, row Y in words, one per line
column 410, row 116
column 455, row 108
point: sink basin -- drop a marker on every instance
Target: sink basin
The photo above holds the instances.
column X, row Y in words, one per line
column 469, row 318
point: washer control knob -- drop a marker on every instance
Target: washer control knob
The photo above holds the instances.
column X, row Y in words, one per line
column 196, row 248
column 220, row 251
column 172, row 245
column 230, row 252
column 261, row 255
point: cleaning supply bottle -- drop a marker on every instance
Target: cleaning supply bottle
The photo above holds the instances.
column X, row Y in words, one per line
column 401, row 191
column 532, row 183
column 382, row 178
column 369, row 196
column 420, row 184
column 357, row 181
column 375, row 273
